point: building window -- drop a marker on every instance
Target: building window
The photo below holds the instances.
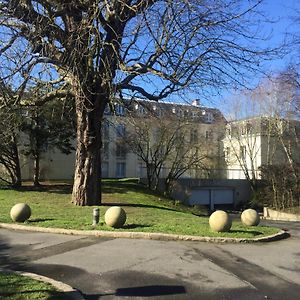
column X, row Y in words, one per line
column 180, row 112
column 194, row 136
column 242, row 152
column 120, row 130
column 194, row 114
column 249, row 128
column 120, row 169
column 105, row 149
column 104, row 169
column 120, row 110
column 105, row 130
column 142, row 110
column 208, row 134
column 141, row 170
column 227, row 152
column 228, row 131
column 209, row 117
column 120, row 151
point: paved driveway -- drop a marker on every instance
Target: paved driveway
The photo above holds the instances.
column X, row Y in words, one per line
column 142, row 269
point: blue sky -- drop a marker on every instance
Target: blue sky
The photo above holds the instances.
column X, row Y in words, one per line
column 283, row 14
column 283, row 26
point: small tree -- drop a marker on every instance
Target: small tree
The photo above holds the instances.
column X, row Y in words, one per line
column 281, row 190
column 48, row 127
column 168, row 147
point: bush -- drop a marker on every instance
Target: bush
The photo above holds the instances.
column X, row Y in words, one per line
column 282, row 188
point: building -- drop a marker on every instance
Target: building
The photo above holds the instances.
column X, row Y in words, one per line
column 202, row 127
column 253, row 142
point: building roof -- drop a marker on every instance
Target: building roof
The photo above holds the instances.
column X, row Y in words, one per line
column 195, row 111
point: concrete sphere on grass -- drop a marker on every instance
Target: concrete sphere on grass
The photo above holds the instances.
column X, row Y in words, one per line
column 115, row 217
column 220, row 221
column 20, row 212
column 250, row 217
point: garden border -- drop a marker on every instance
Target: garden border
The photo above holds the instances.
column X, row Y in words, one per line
column 147, row 235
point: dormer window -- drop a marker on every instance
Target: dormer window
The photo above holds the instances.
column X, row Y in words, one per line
column 120, row 110
column 141, row 110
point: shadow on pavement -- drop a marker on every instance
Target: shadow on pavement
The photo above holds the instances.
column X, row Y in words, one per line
column 151, row 291
column 143, row 291
column 6, row 260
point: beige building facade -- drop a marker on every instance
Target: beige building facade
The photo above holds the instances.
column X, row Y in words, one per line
column 119, row 161
column 253, row 142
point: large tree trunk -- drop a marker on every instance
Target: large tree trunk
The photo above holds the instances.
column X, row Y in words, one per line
column 87, row 177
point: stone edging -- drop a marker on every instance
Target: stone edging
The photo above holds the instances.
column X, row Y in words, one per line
column 147, row 235
column 60, row 286
column 272, row 214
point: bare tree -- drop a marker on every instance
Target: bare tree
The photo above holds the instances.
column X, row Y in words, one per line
column 268, row 136
column 9, row 151
column 152, row 140
column 147, row 48
column 170, row 140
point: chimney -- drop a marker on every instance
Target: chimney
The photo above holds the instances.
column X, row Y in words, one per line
column 196, row 102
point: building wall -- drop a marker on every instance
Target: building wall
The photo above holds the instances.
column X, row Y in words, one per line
column 263, row 144
column 183, row 188
column 58, row 166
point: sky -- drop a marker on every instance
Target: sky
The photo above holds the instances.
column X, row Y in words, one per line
column 284, row 25
column 281, row 27
column 280, row 12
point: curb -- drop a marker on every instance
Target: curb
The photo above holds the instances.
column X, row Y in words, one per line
column 60, row 286
column 275, row 215
column 147, row 235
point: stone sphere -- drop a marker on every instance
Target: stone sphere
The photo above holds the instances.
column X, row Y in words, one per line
column 220, row 221
column 20, row 212
column 115, row 217
column 250, row 217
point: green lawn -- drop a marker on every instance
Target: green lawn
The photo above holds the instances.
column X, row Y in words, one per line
column 18, row 287
column 51, row 207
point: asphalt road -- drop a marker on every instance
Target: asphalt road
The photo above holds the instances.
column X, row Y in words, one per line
column 104, row 268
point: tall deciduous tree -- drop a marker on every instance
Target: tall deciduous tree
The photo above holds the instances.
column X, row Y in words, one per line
column 149, row 48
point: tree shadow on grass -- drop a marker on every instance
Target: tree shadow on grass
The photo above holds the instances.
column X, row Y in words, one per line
column 137, row 205
column 134, row 226
column 37, row 220
column 48, row 188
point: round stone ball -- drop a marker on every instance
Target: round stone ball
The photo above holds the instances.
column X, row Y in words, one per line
column 220, row 221
column 115, row 217
column 20, row 212
column 250, row 217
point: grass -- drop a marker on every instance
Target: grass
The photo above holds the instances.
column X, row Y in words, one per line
column 18, row 287
column 146, row 211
